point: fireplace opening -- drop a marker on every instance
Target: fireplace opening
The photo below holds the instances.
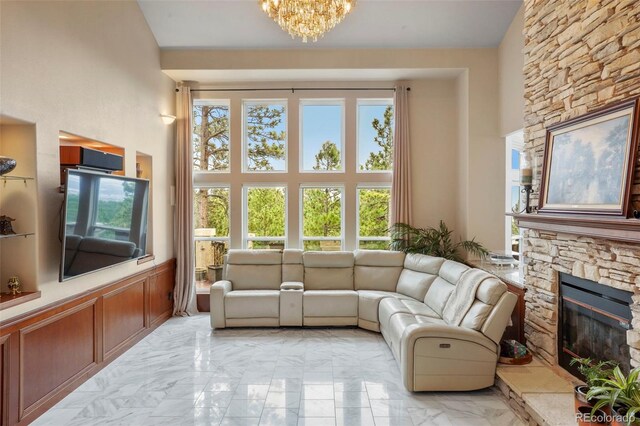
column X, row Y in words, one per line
column 593, row 322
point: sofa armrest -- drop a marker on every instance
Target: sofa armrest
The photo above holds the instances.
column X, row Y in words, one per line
column 417, row 331
column 447, row 336
column 292, row 285
column 216, row 302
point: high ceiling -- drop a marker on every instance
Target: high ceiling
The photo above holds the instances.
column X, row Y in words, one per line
column 241, row 24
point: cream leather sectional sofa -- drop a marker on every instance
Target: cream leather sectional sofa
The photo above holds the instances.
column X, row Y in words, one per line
column 442, row 320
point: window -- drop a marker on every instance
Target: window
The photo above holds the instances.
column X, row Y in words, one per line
column 265, row 217
column 321, row 218
column 375, row 135
column 322, row 135
column 211, row 233
column 515, row 146
column 373, row 217
column 211, row 136
column 265, row 136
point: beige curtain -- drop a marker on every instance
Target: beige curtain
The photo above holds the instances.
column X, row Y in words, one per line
column 401, row 180
column 185, row 290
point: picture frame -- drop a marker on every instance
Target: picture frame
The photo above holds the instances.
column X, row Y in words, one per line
column 589, row 162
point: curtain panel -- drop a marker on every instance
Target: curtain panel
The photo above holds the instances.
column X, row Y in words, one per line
column 184, row 295
column 401, row 180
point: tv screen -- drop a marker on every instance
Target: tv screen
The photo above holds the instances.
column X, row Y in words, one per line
column 104, row 221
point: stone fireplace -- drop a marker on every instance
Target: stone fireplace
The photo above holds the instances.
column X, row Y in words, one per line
column 593, row 320
column 579, row 56
column 549, row 254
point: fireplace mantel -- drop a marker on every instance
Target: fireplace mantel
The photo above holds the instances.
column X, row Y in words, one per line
column 615, row 229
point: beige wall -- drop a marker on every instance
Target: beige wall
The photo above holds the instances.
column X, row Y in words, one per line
column 468, row 194
column 511, row 76
column 92, row 69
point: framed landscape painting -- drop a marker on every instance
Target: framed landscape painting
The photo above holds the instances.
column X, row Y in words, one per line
column 589, row 162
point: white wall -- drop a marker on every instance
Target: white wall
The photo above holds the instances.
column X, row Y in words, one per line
column 511, row 76
column 92, row 69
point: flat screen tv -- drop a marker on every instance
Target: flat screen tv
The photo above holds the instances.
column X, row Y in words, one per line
column 104, row 221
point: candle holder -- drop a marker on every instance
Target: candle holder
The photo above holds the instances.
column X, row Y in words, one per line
column 527, row 189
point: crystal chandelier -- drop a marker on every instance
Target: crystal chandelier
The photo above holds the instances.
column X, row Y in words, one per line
column 307, row 19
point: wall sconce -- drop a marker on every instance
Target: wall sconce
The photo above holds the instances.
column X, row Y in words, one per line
column 168, row 119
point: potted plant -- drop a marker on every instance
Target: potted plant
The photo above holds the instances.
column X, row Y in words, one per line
column 621, row 393
column 432, row 241
column 593, row 373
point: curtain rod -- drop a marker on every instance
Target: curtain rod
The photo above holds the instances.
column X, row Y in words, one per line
column 293, row 89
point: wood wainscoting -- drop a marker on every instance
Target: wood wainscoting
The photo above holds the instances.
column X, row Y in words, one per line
column 46, row 354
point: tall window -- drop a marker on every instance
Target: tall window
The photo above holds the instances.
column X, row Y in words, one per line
column 322, row 218
column 265, row 136
column 373, row 217
column 211, row 223
column 322, row 134
column 211, row 136
column 265, row 217
column 343, row 150
column 375, row 135
column 515, row 146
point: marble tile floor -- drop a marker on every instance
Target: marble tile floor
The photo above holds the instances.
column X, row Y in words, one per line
column 184, row 373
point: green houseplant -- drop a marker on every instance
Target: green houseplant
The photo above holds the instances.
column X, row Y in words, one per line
column 621, row 393
column 594, row 373
column 432, row 241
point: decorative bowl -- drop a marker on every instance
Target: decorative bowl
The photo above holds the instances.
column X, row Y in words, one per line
column 6, row 164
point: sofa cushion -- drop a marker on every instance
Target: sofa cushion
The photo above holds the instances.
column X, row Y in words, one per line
column 378, row 258
column 328, row 278
column 392, row 306
column 252, row 304
column 330, row 303
column 438, row 294
column 254, row 277
column 377, row 269
column 335, row 259
column 423, row 263
column 452, row 271
column 414, row 284
column 292, row 269
column 254, row 257
column 369, row 301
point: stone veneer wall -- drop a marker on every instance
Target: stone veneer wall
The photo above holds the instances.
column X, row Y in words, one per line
column 580, row 55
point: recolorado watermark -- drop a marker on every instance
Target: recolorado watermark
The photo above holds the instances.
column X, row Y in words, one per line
column 601, row 417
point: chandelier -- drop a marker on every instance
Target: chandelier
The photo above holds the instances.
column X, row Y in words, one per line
column 307, row 19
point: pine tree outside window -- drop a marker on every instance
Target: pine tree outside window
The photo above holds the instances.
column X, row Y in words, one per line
column 375, row 135
column 322, row 135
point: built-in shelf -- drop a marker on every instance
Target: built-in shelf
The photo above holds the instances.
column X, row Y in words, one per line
column 25, row 235
column 5, row 179
column 8, row 300
column 608, row 228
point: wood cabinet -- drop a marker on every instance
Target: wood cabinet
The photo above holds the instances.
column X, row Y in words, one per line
column 46, row 354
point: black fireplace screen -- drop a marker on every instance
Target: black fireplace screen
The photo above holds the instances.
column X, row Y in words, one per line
column 594, row 320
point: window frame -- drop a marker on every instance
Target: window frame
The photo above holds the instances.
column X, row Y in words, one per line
column 244, row 146
column 226, row 186
column 321, row 102
column 245, row 213
column 513, row 141
column 371, row 102
column 360, row 186
column 302, row 237
column 214, row 102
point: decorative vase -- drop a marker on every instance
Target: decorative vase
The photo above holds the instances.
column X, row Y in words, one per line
column 138, row 170
column 6, row 164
